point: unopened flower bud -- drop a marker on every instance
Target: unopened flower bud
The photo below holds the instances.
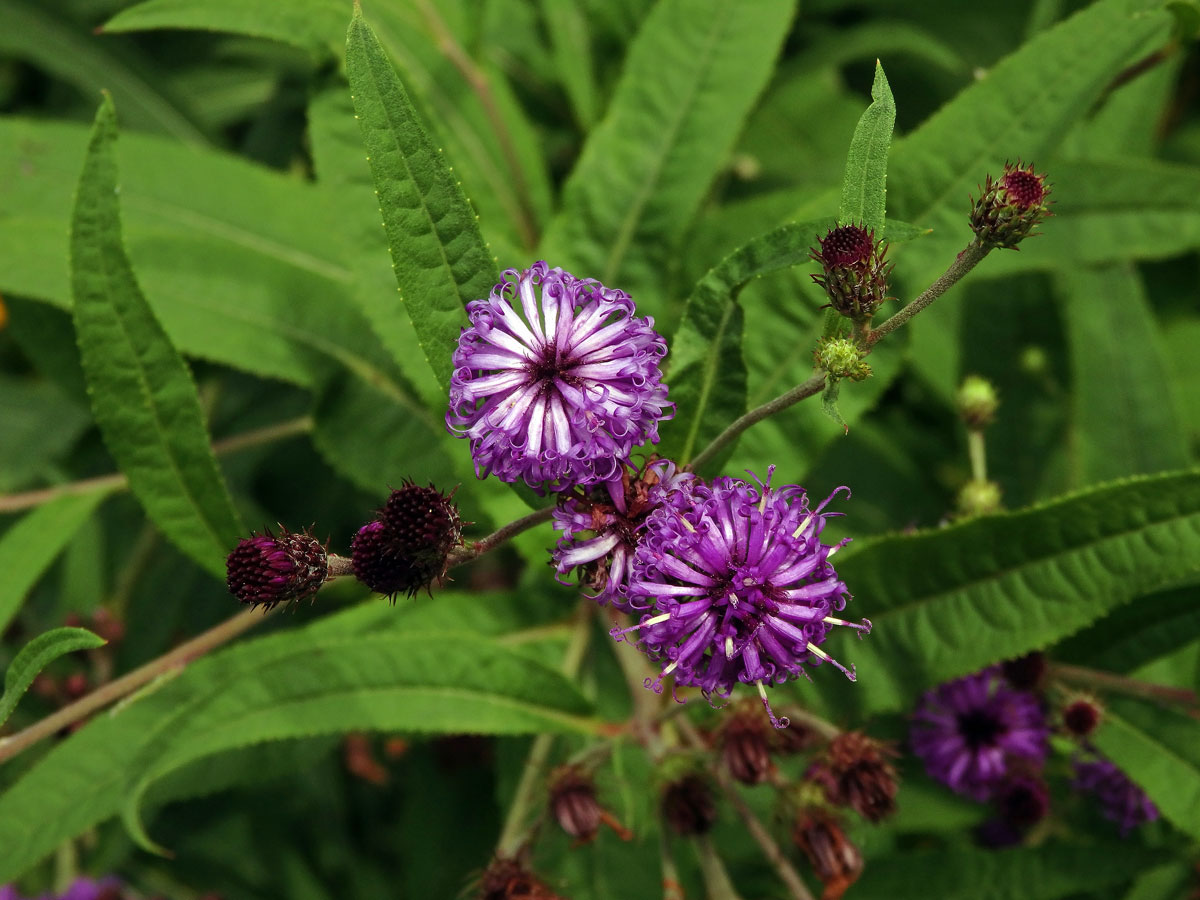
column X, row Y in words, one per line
column 855, row 276
column 1025, row 673
column 688, row 805
column 978, row 498
column 573, row 802
column 835, row 860
column 841, row 358
column 1022, row 801
column 1010, row 207
column 406, row 548
column 977, row 402
column 745, row 746
column 508, row 879
column 856, row 772
column 1082, row 716
column 264, row 570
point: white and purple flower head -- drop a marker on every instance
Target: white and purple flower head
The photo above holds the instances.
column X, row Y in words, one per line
column 556, row 381
column 971, row 731
column 600, row 527
column 736, row 587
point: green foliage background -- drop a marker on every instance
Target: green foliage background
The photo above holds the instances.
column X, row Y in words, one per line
column 206, row 263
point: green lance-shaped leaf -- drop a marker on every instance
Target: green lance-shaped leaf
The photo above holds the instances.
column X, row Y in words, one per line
column 438, row 255
column 707, row 373
column 29, row 547
column 416, row 682
column 313, row 680
column 864, row 188
column 689, row 80
column 1124, row 420
column 1159, row 750
column 949, row 602
column 35, row 656
column 142, row 393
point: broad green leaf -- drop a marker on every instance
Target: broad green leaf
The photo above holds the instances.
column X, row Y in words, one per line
column 29, row 547
column 1182, row 336
column 414, row 682
column 567, row 27
column 311, row 25
column 689, row 80
column 142, row 392
column 438, row 255
column 864, row 189
column 30, row 30
column 41, row 423
column 706, row 371
column 1159, row 749
column 949, row 602
column 1128, row 638
column 1026, row 873
column 479, row 687
column 35, row 656
column 376, row 437
column 235, row 260
column 1124, row 420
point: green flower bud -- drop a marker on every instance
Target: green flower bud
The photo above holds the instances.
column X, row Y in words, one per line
column 977, row 402
column 841, row 358
column 978, row 498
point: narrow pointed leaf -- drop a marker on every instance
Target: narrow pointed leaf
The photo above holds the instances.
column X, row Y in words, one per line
column 438, row 255
column 689, row 80
column 29, row 547
column 864, row 189
column 35, row 656
column 142, row 393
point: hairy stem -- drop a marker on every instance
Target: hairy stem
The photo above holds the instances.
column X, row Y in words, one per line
column 499, row 536
column 1120, row 684
column 966, row 260
column 127, row 684
column 527, row 797
column 800, row 392
column 232, row 444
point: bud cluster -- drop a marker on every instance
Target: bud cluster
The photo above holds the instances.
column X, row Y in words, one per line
column 854, row 274
column 1009, row 208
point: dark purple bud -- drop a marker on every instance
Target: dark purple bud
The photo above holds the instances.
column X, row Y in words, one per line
column 264, row 570
column 688, row 805
column 508, row 879
column 835, row 860
column 1025, row 673
column 1081, row 717
column 856, row 771
column 855, row 276
column 1009, row 208
column 406, row 548
column 1023, row 801
column 573, row 803
column 745, row 746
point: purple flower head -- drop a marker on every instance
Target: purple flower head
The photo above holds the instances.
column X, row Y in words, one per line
column 1122, row 801
column 969, row 732
column 600, row 526
column 267, row 570
column 737, row 587
column 556, row 381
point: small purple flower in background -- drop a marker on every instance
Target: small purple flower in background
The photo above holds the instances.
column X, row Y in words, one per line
column 600, row 527
column 737, row 587
column 558, row 388
column 107, row 888
column 970, row 731
column 1122, row 801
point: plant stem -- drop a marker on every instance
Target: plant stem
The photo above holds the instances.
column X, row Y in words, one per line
column 526, row 797
column 232, row 444
column 499, row 536
column 977, row 450
column 127, row 684
column 791, row 879
column 1120, row 684
column 716, row 878
column 800, row 392
column 966, row 260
